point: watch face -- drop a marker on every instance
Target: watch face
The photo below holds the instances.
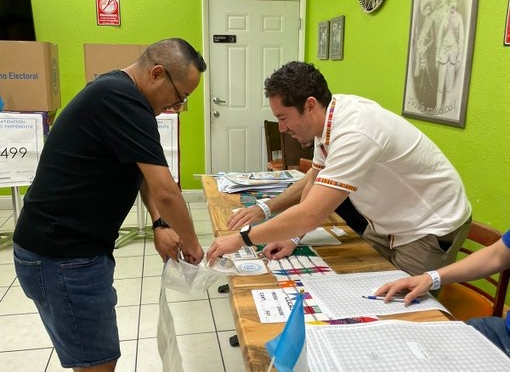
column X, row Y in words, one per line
column 245, row 228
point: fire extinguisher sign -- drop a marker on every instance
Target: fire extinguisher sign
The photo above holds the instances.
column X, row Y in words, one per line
column 108, row 12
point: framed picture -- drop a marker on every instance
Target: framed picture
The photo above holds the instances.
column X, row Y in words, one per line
column 439, row 60
column 506, row 40
column 336, row 38
column 323, row 44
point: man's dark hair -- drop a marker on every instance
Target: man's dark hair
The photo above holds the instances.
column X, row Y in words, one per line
column 294, row 82
column 175, row 54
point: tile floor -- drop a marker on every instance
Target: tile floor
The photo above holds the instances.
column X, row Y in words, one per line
column 203, row 324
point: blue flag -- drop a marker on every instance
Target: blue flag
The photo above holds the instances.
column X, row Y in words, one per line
column 289, row 348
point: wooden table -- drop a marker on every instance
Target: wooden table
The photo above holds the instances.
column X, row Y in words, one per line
column 353, row 255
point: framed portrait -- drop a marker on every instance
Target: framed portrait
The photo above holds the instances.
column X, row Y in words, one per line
column 439, row 60
column 506, row 41
column 336, row 38
column 323, row 45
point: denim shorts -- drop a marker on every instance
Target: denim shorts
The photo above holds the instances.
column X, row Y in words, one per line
column 76, row 301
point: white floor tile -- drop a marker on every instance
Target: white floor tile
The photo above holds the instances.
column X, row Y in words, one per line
column 22, row 332
column 25, row 345
column 128, row 291
column 213, row 289
column 127, row 322
column 203, row 227
column 232, row 356
column 222, row 315
column 6, row 254
column 134, row 248
column 153, row 265
column 54, row 364
column 148, row 359
column 127, row 361
column 15, row 302
column 128, row 267
column 7, row 274
column 25, row 360
column 200, row 352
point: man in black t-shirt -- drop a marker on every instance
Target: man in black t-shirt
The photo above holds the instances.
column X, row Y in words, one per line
column 102, row 150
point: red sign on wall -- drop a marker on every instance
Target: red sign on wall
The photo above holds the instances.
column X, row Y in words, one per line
column 108, row 12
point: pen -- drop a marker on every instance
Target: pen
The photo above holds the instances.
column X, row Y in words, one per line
column 393, row 299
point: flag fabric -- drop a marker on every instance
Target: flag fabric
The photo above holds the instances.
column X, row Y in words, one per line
column 288, row 349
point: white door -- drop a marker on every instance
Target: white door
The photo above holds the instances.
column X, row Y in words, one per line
column 247, row 41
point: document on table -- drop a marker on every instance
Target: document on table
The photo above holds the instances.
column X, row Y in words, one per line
column 319, row 236
column 340, row 296
column 243, row 262
column 393, row 345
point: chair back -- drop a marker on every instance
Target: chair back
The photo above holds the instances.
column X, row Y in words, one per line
column 468, row 300
column 292, row 151
column 304, row 165
column 273, row 145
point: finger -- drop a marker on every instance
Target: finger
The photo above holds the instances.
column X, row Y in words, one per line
column 381, row 290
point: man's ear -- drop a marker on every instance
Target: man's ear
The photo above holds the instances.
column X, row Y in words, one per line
column 310, row 103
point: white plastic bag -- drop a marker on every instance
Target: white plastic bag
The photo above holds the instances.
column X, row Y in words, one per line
column 187, row 278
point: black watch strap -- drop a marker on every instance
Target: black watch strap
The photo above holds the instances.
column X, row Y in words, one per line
column 159, row 223
column 244, row 234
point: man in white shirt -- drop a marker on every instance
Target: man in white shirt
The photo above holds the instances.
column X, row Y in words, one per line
column 398, row 179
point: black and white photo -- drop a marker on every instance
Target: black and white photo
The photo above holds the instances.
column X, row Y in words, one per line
column 439, row 60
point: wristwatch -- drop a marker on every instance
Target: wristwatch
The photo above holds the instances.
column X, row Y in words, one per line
column 245, row 230
column 159, row 223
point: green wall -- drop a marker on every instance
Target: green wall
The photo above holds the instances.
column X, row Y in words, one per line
column 142, row 22
column 375, row 52
column 374, row 64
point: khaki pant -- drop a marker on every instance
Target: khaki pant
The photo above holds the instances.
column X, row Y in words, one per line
column 428, row 253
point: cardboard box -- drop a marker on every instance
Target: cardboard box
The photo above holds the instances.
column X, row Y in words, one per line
column 29, row 76
column 101, row 58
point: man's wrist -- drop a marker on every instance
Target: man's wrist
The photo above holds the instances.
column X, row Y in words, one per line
column 159, row 223
column 296, row 240
column 436, row 280
column 265, row 208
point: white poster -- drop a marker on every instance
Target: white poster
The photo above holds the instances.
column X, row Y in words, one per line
column 21, row 143
column 168, row 125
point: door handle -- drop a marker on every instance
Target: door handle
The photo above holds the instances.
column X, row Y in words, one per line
column 218, row 101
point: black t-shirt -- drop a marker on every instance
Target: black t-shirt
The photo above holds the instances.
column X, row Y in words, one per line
column 87, row 178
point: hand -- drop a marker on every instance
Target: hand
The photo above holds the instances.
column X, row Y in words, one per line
column 222, row 245
column 245, row 216
column 277, row 250
column 417, row 285
column 167, row 243
column 193, row 254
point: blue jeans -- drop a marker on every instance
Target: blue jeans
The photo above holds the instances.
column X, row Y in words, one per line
column 495, row 330
column 76, row 301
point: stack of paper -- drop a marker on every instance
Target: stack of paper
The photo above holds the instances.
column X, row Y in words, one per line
column 402, row 346
column 233, row 182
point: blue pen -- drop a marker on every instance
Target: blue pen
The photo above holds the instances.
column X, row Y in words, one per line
column 393, row 299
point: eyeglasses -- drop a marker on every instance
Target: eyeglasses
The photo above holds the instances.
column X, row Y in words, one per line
column 182, row 101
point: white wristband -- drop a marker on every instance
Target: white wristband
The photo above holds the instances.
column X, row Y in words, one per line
column 296, row 240
column 436, row 280
column 265, row 209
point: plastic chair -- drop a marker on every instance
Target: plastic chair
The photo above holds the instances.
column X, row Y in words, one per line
column 466, row 300
column 273, row 145
column 292, row 151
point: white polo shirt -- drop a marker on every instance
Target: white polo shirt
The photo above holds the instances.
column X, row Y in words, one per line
column 396, row 176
